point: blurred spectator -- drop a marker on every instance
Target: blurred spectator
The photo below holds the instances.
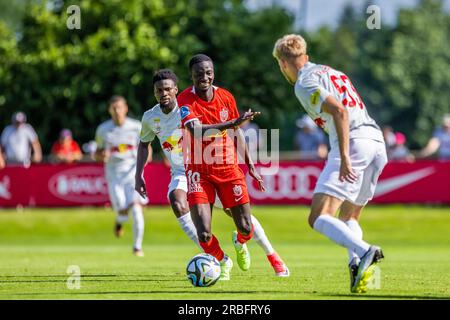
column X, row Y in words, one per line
column 2, row 159
column 399, row 151
column 20, row 142
column 440, row 141
column 66, row 150
column 89, row 149
column 310, row 139
column 389, row 137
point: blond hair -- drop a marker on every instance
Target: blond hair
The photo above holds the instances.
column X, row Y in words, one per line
column 289, row 46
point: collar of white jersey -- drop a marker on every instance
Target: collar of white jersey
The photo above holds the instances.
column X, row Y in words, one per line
column 171, row 112
column 305, row 67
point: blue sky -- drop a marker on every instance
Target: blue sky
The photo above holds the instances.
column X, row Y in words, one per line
column 327, row 12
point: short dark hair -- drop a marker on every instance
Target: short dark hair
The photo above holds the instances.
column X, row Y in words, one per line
column 115, row 99
column 199, row 58
column 165, row 74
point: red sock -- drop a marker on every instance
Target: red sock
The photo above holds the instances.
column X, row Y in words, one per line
column 212, row 247
column 244, row 238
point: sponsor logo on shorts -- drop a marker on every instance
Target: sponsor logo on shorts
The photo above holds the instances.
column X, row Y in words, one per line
column 195, row 187
column 237, row 190
column 238, row 193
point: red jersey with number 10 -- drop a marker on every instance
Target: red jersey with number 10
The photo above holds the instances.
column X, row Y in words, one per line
column 214, row 151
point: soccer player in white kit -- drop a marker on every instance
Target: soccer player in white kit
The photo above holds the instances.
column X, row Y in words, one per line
column 356, row 158
column 117, row 142
column 164, row 121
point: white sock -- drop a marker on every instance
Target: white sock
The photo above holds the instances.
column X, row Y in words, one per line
column 337, row 231
column 260, row 237
column 138, row 226
column 121, row 218
column 188, row 227
column 357, row 231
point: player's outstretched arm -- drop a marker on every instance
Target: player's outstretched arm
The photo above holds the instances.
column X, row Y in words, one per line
column 341, row 122
column 242, row 149
column 196, row 126
column 37, row 151
column 142, row 157
column 431, row 147
column 101, row 155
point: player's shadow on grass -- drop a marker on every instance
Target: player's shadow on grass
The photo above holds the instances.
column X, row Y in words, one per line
column 93, row 280
column 385, row 296
column 56, row 276
column 186, row 292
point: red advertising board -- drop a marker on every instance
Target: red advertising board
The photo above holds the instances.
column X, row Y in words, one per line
column 293, row 183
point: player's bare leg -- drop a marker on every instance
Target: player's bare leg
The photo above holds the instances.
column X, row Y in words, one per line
column 241, row 215
column 138, row 229
column 122, row 217
column 260, row 237
column 322, row 220
column 201, row 216
column 180, row 207
column 350, row 213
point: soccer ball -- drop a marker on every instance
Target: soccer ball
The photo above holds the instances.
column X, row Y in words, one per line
column 203, row 270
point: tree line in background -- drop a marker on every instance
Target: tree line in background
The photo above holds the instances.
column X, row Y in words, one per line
column 63, row 78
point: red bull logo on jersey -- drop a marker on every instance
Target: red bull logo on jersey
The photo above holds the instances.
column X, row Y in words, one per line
column 173, row 143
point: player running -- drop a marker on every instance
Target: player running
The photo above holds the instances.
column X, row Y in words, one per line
column 356, row 158
column 211, row 118
column 164, row 121
column 117, row 141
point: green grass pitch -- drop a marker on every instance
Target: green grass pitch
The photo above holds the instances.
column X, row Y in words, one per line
column 38, row 245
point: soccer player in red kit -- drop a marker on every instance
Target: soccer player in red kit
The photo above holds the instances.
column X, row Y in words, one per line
column 210, row 116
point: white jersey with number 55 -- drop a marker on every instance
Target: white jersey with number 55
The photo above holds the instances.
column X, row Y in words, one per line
column 315, row 83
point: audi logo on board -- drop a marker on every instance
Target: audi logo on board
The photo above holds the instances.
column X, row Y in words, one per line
column 289, row 183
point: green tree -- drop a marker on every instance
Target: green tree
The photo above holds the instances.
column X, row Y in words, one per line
column 416, row 76
column 63, row 78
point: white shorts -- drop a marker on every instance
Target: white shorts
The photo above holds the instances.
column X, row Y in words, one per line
column 122, row 194
column 368, row 158
column 178, row 181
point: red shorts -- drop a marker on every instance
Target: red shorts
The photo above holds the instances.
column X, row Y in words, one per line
column 230, row 187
